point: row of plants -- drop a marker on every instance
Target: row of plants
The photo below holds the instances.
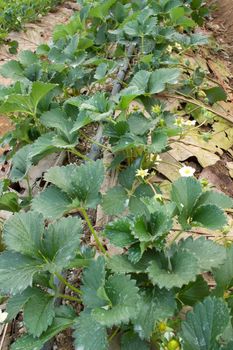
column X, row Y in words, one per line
column 15, row 13
column 154, row 290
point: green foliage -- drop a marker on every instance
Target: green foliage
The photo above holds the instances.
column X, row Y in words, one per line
column 15, row 14
column 60, row 94
column 205, row 324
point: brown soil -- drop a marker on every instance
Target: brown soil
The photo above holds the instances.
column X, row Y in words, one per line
column 223, row 17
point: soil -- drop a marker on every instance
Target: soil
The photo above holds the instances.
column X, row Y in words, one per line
column 223, row 17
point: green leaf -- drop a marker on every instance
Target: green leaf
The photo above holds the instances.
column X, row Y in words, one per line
column 28, row 342
column 93, row 279
column 40, row 90
column 161, row 77
column 208, row 253
column 16, row 303
column 97, row 339
column 216, row 94
column 101, row 11
column 159, row 142
column 212, row 197
column 23, row 233
column 13, row 70
column 10, row 202
column 115, row 201
column 79, row 182
column 155, row 305
column 122, row 264
column 224, row 274
column 61, row 242
column 185, row 192
column 42, row 147
column 38, row 322
column 57, row 119
column 182, row 269
column 21, row 164
column 52, row 203
column 194, row 291
column 209, row 216
column 17, row 271
column 123, row 295
column 131, row 341
column 119, row 233
column 205, row 324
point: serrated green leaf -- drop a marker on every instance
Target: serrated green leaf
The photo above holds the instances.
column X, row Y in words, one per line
column 21, row 163
column 97, row 339
column 10, row 202
column 16, row 303
column 81, row 183
column 216, row 94
column 158, row 142
column 13, row 70
column 119, row 233
column 208, row 253
column 131, row 341
column 212, row 197
column 61, row 242
column 224, row 274
column 42, row 147
column 23, row 233
column 161, row 77
column 209, row 216
column 122, row 263
column 123, row 295
column 185, row 192
column 182, row 268
column 115, row 201
column 40, row 90
column 39, row 321
column 155, row 305
column 17, row 271
column 28, row 342
column 52, row 203
column 93, row 279
column 57, row 119
column 194, row 291
column 204, row 324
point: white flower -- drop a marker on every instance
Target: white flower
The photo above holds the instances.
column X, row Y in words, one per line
column 158, row 159
column 3, row 316
column 187, row 171
column 169, row 49
column 190, row 122
column 142, row 173
column 178, row 46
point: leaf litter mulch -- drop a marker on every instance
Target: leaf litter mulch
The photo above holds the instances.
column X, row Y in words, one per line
column 213, row 160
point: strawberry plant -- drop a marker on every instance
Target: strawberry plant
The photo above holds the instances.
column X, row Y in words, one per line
column 15, row 13
column 157, row 272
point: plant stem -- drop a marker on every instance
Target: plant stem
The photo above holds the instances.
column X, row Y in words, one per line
column 80, row 155
column 94, row 142
column 29, row 187
column 113, row 334
column 67, row 284
column 69, row 297
column 92, row 230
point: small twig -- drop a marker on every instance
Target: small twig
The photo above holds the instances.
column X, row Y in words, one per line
column 184, row 98
column 3, row 336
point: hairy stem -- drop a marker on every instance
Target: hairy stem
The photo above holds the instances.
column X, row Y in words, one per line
column 67, row 284
column 93, row 232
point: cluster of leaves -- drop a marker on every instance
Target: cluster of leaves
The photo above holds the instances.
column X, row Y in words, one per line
column 15, row 13
column 154, row 275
